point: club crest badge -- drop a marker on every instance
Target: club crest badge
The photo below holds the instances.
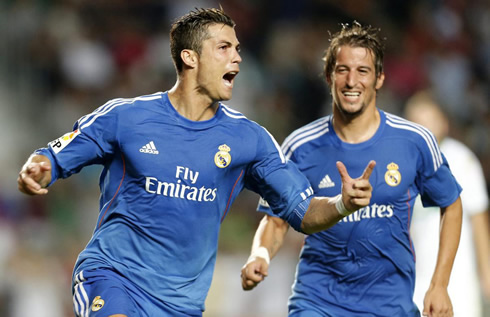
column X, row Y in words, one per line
column 97, row 303
column 392, row 175
column 222, row 158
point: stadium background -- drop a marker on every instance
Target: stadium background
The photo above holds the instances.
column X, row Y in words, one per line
column 62, row 59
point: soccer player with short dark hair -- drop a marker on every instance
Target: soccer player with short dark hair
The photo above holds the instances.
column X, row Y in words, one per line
column 174, row 162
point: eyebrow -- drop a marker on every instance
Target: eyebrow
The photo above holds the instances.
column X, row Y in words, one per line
column 225, row 42
column 347, row 66
column 229, row 43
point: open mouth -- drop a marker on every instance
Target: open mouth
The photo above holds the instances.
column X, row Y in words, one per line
column 351, row 93
column 229, row 77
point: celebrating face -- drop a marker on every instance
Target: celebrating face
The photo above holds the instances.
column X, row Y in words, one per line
column 218, row 63
column 353, row 81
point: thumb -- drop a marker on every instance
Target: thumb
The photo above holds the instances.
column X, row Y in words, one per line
column 264, row 269
column 44, row 166
column 259, row 267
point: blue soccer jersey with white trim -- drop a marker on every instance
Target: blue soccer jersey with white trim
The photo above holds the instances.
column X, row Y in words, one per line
column 365, row 264
column 166, row 186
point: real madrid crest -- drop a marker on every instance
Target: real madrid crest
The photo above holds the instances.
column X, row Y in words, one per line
column 222, row 158
column 392, row 175
column 97, row 303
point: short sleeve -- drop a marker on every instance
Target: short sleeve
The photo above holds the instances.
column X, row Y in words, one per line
column 441, row 188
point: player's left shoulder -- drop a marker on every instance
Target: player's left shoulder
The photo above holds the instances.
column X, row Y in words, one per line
column 232, row 115
column 237, row 121
column 399, row 126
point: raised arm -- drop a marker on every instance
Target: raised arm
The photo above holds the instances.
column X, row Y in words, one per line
column 437, row 301
column 35, row 175
column 268, row 239
column 324, row 212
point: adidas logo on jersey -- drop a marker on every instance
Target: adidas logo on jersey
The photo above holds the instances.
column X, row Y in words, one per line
column 326, row 182
column 149, row 148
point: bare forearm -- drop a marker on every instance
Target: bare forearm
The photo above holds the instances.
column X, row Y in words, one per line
column 324, row 212
column 321, row 215
column 448, row 244
column 270, row 234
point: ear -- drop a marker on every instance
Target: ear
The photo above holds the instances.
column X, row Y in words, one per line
column 189, row 57
column 380, row 80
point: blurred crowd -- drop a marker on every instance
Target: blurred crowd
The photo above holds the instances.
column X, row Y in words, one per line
column 60, row 59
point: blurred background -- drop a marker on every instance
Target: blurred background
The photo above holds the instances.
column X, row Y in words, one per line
column 62, row 59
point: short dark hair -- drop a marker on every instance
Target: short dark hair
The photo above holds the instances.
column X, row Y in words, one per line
column 190, row 30
column 355, row 35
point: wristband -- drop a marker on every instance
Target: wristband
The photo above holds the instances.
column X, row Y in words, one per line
column 339, row 204
column 260, row 252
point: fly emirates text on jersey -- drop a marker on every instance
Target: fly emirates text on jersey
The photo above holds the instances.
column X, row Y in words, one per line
column 178, row 190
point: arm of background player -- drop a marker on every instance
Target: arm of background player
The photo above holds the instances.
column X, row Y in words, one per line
column 437, row 301
column 481, row 238
column 321, row 213
column 324, row 212
column 268, row 239
column 35, row 175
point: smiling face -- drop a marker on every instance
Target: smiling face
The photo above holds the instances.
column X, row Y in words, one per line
column 218, row 63
column 353, row 82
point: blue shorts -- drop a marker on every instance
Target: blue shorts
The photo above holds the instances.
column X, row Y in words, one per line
column 103, row 292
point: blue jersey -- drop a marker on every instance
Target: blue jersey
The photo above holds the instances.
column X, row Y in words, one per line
column 365, row 264
column 166, row 186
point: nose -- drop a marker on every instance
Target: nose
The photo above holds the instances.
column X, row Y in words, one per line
column 351, row 79
column 237, row 58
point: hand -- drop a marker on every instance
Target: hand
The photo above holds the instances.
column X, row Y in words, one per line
column 356, row 193
column 33, row 177
column 437, row 303
column 254, row 272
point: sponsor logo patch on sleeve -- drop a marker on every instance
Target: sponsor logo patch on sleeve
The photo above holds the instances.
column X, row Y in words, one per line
column 61, row 142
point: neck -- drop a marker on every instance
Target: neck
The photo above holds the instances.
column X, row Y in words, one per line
column 191, row 104
column 356, row 129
